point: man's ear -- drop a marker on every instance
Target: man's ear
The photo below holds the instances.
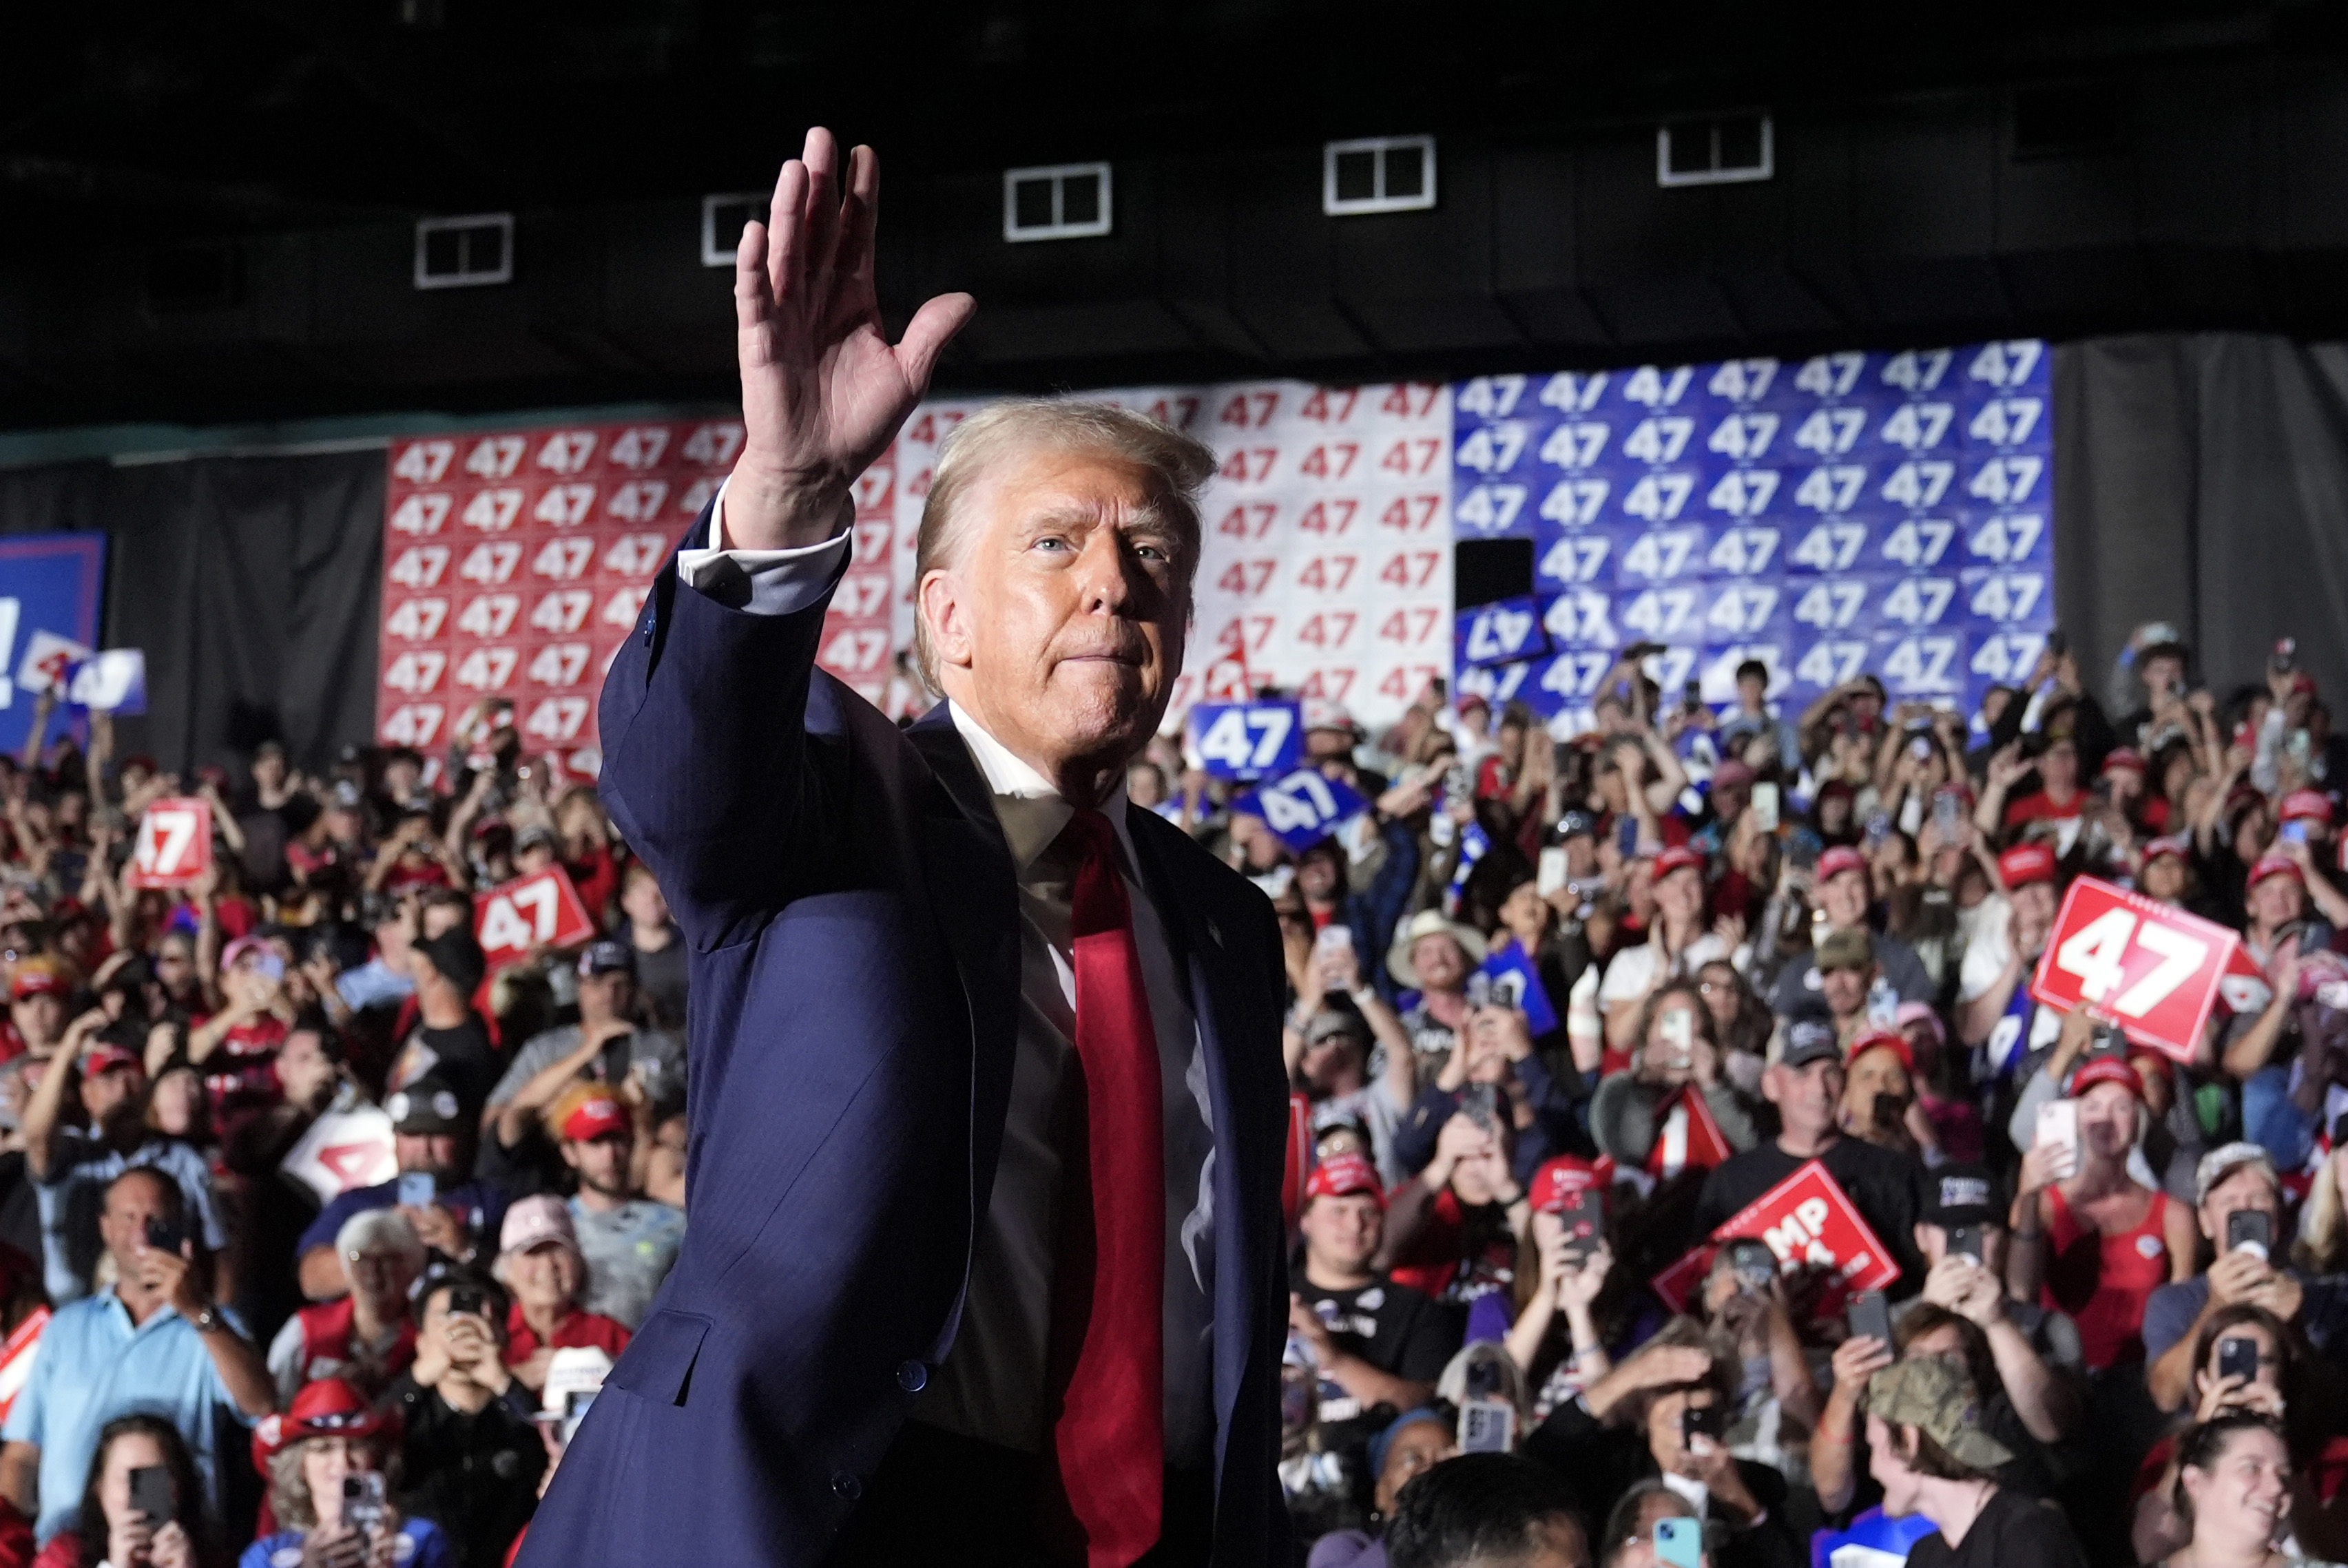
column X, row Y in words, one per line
column 941, row 605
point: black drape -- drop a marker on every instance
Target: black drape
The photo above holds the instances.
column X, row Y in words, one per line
column 250, row 582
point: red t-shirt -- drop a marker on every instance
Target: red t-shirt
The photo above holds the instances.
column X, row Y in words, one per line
column 2044, row 807
column 241, row 1076
column 1457, row 1256
column 605, row 1334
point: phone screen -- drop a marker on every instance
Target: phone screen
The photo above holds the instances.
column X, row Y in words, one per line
column 416, row 1188
column 2295, row 832
column 2058, row 1123
column 1764, row 807
column 1626, row 836
column 1552, row 872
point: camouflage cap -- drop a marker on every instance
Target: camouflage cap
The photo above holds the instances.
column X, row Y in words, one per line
column 1935, row 1394
column 1852, row 950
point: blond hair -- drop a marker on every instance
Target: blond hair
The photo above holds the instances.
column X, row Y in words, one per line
column 1181, row 462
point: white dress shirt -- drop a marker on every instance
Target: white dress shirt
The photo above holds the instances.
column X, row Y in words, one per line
column 992, row 1384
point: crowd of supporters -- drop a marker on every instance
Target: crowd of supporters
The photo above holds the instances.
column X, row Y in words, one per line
column 1759, row 939
column 1560, row 1006
column 318, row 1233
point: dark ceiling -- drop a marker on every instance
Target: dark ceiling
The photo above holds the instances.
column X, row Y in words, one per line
column 129, row 127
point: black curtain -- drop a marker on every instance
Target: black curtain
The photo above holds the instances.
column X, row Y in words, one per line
column 252, row 584
column 2202, row 479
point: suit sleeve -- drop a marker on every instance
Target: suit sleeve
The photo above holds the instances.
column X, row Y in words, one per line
column 704, row 721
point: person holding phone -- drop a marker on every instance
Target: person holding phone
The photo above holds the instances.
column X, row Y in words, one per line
column 143, row 1506
column 154, row 1340
column 2252, row 1364
column 1744, row 1301
column 1567, row 1263
column 1678, row 1050
column 469, row 1452
column 2038, row 1357
column 2088, row 1237
column 2239, row 1210
column 1678, row 944
column 1633, row 1538
column 328, row 1484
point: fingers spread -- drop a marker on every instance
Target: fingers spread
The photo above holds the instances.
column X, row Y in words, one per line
column 927, row 334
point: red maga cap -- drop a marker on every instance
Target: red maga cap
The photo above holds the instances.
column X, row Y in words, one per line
column 1840, row 859
column 2107, row 1070
column 1342, row 1176
column 1558, row 1179
column 2026, row 863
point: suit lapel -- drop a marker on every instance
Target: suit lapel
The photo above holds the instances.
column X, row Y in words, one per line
column 1230, row 1014
column 974, row 892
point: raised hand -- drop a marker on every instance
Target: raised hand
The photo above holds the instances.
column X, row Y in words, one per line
column 823, row 391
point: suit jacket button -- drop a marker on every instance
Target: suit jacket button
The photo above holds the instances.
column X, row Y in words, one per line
column 912, row 1376
column 846, row 1486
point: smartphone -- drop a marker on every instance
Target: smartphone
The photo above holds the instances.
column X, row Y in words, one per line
column 1702, row 1420
column 1482, row 1103
column 2294, row 831
column 164, row 1236
column 1488, row 1427
column 2058, row 1123
column 1334, row 937
column 150, row 1492
column 1755, row 1264
column 467, row 1299
column 417, row 1188
column 362, row 1502
column 1553, row 872
column 1920, row 748
column 1678, row 1029
column 267, row 962
column 1948, row 814
column 1870, row 1316
column 2252, row 1231
column 1626, row 836
column 2238, row 1357
column 1965, row 1241
column 1580, row 1217
column 1878, row 828
column 1679, row 1543
column 1479, row 990
column 1764, row 805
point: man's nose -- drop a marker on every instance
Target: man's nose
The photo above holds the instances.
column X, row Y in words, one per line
column 1106, row 569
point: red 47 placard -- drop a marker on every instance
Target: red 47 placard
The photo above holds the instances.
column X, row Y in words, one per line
column 542, row 909
column 174, row 848
column 2152, row 969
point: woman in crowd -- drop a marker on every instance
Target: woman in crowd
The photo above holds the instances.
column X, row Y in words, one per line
column 329, row 1479
column 2232, row 1495
column 1416, row 1443
column 1558, row 1279
column 2087, row 1238
column 1678, row 1048
column 113, row 1530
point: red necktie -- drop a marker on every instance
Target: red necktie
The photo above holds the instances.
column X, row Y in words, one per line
column 1106, row 1397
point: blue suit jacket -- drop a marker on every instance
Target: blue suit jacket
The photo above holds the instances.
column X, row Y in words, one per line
column 853, row 920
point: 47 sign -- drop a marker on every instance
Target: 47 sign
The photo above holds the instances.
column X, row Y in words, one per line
column 2152, row 969
column 1303, row 808
column 174, row 848
column 539, row 910
column 1247, row 740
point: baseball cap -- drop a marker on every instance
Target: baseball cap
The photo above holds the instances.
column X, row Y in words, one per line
column 1923, row 1013
column 2026, row 863
column 2222, row 1161
column 2107, row 1070
column 1807, row 1041
column 2123, row 757
column 2175, row 844
column 570, row 1371
column 1331, row 1021
column 1342, row 1176
column 39, row 977
column 595, row 1115
column 1678, row 858
column 457, row 958
column 328, row 1408
column 1558, row 1179
column 1383, row 1442
column 1852, row 949
column 1319, row 714
column 1576, row 825
column 1935, row 1394
column 607, row 956
column 1961, row 1196
column 1734, row 773
column 2308, row 805
column 2274, row 865
column 106, row 1058
column 534, row 1221
column 425, row 1108
column 1882, row 1039
column 536, row 834
column 1842, row 857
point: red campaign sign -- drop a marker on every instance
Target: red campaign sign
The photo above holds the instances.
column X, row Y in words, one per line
column 2152, row 969
column 542, row 909
column 1687, row 1134
column 17, row 1356
column 174, row 848
column 1809, row 1222
column 1676, row 1284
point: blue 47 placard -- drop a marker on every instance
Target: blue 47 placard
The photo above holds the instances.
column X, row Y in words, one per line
column 1247, row 740
column 1303, row 808
column 48, row 583
column 1880, row 513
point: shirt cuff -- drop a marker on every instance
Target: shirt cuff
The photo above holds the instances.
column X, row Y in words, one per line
column 762, row 583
